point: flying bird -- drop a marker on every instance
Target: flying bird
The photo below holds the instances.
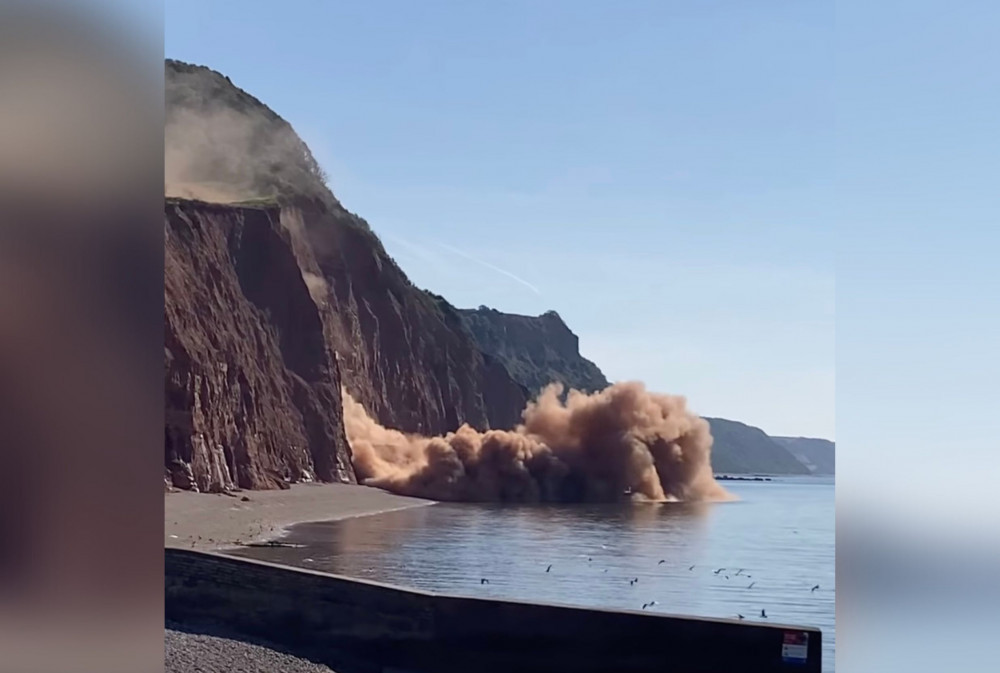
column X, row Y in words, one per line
column 691, row 568
column 763, row 614
column 548, row 569
column 751, row 584
column 726, row 576
column 484, row 581
column 740, row 570
column 814, row 588
column 740, row 616
column 718, row 571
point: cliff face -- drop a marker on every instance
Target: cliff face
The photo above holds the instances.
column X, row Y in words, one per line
column 535, row 350
column 252, row 385
column 277, row 299
column 539, row 350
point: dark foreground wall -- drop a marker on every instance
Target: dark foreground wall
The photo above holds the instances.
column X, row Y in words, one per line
column 340, row 620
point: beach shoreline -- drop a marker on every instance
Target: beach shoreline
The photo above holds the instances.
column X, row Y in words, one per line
column 216, row 521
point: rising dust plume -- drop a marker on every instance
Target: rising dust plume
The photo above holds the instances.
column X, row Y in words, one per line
column 621, row 442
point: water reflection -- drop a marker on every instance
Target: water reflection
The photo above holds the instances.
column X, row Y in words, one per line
column 447, row 547
column 773, row 545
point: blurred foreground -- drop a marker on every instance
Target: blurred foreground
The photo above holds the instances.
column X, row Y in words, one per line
column 80, row 338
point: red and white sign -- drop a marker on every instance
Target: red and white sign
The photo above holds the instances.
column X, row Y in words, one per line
column 795, row 649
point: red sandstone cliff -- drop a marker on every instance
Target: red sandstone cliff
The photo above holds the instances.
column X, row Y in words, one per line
column 267, row 307
column 252, row 386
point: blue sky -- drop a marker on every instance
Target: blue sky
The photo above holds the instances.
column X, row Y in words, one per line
column 918, row 287
column 660, row 173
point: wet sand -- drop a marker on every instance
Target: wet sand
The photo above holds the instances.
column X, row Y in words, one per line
column 212, row 521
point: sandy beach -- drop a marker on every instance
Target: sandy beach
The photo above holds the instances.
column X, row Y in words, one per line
column 216, row 521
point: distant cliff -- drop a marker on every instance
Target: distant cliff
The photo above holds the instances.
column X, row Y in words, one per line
column 740, row 449
column 819, row 455
column 539, row 350
column 535, row 350
column 276, row 296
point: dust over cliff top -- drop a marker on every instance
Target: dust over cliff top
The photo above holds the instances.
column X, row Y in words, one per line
column 224, row 145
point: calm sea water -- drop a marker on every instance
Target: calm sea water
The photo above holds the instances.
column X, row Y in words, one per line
column 779, row 536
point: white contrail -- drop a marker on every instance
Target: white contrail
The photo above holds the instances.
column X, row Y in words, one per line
column 491, row 266
column 428, row 256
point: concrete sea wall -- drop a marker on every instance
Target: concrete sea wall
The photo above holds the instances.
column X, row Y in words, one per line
column 367, row 626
